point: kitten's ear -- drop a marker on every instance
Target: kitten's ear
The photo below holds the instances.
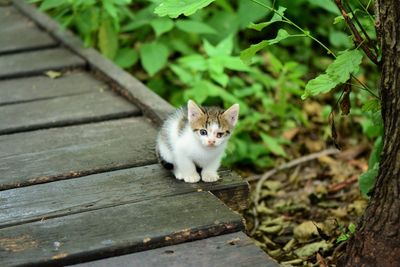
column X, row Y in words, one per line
column 232, row 114
column 194, row 112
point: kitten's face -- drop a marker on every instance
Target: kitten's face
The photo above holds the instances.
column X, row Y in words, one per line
column 212, row 126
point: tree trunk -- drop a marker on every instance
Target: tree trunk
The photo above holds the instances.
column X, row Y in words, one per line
column 377, row 239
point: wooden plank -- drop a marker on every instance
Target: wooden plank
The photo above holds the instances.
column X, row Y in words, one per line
column 21, row 205
column 36, row 62
column 59, row 153
column 42, row 87
column 19, row 33
column 149, row 102
column 117, row 230
column 228, row 250
column 62, row 111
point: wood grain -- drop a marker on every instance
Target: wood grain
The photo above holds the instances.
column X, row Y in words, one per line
column 62, row 111
column 96, row 191
column 228, row 250
column 37, row 62
column 117, row 230
column 20, row 90
column 59, row 153
column 18, row 33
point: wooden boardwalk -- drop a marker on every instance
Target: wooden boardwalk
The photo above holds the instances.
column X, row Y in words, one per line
column 79, row 180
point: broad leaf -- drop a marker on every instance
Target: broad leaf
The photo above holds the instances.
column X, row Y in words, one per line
column 273, row 145
column 225, row 47
column 249, row 12
column 174, row 8
column 367, row 180
column 247, row 54
column 126, row 57
column 275, row 18
column 153, row 57
column 108, row 39
column 344, row 65
column 161, row 25
column 193, row 26
column 337, row 73
column 194, row 62
column 373, row 105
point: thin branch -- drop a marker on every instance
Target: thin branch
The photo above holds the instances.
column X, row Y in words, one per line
column 370, row 42
column 358, row 38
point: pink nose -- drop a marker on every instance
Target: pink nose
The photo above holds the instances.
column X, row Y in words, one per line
column 211, row 142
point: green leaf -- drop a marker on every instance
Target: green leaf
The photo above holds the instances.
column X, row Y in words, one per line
column 282, row 35
column 233, row 63
column 344, row 65
column 194, row 62
column 273, row 145
column 322, row 84
column 193, row 26
column 108, row 39
column 247, row 54
column 49, row 4
column 367, row 180
column 126, row 57
column 225, row 47
column 352, row 228
column 375, row 156
column 220, row 78
column 275, row 18
column 337, row 73
column 161, row 25
column 373, row 105
column 327, row 5
column 153, row 57
column 184, row 76
column 174, row 8
column 110, row 8
column 249, row 12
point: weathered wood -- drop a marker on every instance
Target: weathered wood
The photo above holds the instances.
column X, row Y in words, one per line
column 117, row 230
column 19, row 33
column 60, row 153
column 152, row 105
column 228, row 250
column 37, row 62
column 21, row 205
column 62, row 111
column 42, row 87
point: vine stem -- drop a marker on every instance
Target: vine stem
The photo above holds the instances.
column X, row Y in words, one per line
column 306, row 33
column 287, row 20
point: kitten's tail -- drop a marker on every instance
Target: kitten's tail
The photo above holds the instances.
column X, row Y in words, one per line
column 167, row 165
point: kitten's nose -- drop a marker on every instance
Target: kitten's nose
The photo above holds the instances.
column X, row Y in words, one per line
column 211, row 142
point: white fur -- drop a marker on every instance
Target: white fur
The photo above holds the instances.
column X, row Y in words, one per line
column 188, row 149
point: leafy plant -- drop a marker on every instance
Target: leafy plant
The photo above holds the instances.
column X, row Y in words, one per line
column 346, row 233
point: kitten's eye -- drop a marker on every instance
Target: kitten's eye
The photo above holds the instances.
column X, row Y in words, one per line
column 203, row 132
column 219, row 135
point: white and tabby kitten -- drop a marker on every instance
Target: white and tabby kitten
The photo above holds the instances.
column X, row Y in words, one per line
column 192, row 141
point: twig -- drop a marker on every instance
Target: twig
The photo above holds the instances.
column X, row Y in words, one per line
column 293, row 163
column 358, row 38
column 290, row 164
column 370, row 43
column 339, row 186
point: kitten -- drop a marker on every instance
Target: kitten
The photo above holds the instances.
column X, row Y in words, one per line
column 193, row 140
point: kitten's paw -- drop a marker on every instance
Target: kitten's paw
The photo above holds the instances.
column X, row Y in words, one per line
column 192, row 178
column 178, row 176
column 209, row 177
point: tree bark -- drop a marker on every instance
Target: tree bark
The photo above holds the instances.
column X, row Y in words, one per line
column 377, row 239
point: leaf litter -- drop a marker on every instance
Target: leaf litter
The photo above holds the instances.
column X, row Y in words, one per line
column 302, row 216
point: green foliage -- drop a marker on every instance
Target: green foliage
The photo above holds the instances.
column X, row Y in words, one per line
column 175, row 8
column 346, row 233
column 206, row 56
column 337, row 73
